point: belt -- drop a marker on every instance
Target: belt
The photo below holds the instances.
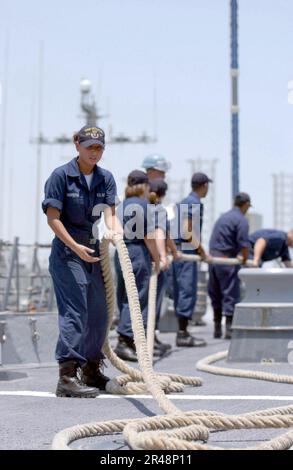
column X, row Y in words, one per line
column 93, row 241
column 85, row 239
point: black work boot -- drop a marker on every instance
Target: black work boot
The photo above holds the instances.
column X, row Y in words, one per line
column 228, row 333
column 125, row 349
column 92, row 375
column 158, row 351
column 163, row 346
column 69, row 385
column 217, row 323
column 186, row 340
column 218, row 333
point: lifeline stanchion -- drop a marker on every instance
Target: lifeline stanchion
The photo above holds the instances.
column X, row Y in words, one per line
column 177, row 430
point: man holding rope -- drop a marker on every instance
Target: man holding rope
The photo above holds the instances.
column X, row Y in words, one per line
column 229, row 239
column 190, row 210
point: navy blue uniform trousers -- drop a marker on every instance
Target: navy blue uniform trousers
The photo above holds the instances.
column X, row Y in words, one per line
column 224, row 288
column 184, row 286
column 141, row 265
column 81, row 301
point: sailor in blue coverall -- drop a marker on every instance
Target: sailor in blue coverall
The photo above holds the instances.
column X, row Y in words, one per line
column 158, row 189
column 73, row 193
column 185, row 272
column 139, row 236
column 267, row 245
column 228, row 240
column 156, row 167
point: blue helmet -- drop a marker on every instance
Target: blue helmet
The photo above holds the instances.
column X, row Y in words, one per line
column 158, row 162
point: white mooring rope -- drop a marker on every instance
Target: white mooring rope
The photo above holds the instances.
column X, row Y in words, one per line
column 176, row 430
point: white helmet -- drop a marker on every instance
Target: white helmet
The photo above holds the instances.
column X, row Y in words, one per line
column 158, row 162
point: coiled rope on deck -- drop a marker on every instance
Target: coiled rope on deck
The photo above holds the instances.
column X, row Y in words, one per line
column 205, row 366
column 177, row 430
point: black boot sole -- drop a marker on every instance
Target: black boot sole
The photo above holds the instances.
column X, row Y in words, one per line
column 75, row 395
column 218, row 334
column 164, row 349
column 201, row 345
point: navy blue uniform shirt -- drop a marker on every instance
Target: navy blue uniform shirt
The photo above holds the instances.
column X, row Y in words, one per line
column 230, row 233
column 277, row 246
column 137, row 218
column 67, row 191
column 193, row 210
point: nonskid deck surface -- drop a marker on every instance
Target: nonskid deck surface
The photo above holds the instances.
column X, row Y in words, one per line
column 31, row 414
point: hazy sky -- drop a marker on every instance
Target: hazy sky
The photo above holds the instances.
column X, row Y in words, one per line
column 120, row 46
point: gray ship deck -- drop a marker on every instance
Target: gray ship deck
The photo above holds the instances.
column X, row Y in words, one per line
column 31, row 415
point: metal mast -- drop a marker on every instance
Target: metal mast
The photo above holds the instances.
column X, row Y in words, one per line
column 234, row 107
column 88, row 104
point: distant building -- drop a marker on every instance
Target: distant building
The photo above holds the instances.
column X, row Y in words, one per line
column 283, row 201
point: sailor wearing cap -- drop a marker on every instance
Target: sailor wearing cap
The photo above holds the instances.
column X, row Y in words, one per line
column 71, row 194
column 156, row 167
column 139, row 235
column 185, row 272
column 229, row 239
column 267, row 245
